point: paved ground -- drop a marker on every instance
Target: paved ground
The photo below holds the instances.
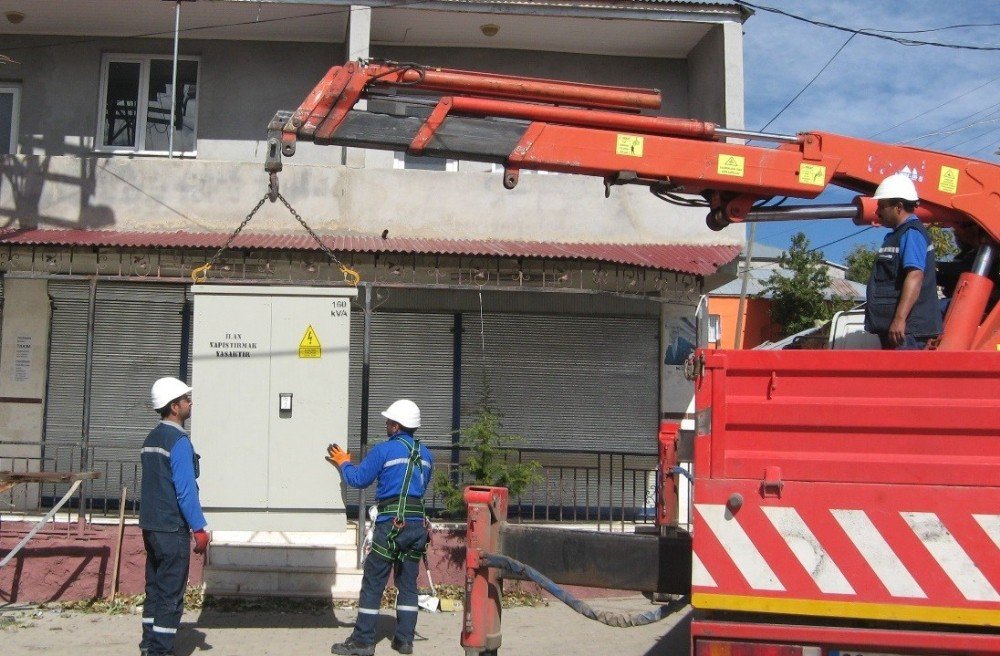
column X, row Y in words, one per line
column 548, row 630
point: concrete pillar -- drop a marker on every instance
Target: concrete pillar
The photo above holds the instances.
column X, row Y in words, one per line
column 358, row 45
column 23, row 371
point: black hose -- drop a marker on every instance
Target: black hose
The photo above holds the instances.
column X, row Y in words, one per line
column 620, row 620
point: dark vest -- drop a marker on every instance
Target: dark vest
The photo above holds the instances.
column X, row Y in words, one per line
column 159, row 510
column 886, row 284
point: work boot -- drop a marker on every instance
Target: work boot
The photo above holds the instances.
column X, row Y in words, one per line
column 350, row 647
column 402, row 647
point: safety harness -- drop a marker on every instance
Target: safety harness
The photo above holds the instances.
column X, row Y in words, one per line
column 401, row 509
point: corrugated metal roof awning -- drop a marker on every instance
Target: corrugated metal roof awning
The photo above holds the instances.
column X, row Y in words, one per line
column 684, row 258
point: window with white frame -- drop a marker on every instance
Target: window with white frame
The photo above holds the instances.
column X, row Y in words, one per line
column 10, row 111
column 135, row 102
column 404, row 160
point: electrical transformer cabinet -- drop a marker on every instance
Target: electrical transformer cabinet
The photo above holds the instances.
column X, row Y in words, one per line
column 270, row 376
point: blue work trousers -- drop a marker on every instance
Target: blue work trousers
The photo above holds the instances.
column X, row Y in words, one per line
column 412, row 537
column 168, row 555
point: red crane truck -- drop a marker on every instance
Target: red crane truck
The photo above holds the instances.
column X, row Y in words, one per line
column 845, row 502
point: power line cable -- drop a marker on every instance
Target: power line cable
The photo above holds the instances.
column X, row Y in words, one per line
column 975, row 138
column 925, row 113
column 986, row 113
column 877, row 34
column 201, row 28
column 808, row 84
column 956, row 130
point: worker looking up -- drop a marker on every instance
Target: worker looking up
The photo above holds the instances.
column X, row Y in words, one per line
column 170, row 511
column 402, row 466
column 902, row 306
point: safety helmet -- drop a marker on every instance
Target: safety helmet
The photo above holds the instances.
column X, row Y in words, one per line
column 897, row 186
column 166, row 390
column 404, row 412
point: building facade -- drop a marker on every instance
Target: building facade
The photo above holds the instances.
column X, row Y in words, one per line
column 561, row 303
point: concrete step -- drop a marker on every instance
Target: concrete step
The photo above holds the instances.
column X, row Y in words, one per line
column 253, row 556
column 283, row 564
column 297, row 582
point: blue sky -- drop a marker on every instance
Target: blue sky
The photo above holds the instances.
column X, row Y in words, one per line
column 873, row 85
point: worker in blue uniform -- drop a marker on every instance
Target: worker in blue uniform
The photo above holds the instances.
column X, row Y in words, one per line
column 402, row 467
column 902, row 304
column 170, row 511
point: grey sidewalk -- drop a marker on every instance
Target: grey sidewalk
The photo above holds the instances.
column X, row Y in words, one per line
column 553, row 629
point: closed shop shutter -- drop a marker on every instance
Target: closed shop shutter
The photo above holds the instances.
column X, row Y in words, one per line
column 568, row 384
column 411, row 358
column 137, row 339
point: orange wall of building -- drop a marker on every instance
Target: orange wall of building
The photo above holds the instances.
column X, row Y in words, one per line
column 757, row 327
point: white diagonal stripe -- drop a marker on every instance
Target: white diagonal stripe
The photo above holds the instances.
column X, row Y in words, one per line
column 950, row 556
column 811, row 554
column 990, row 524
column 740, row 548
column 699, row 575
column 879, row 555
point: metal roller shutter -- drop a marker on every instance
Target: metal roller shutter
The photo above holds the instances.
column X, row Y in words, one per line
column 137, row 338
column 411, row 358
column 572, row 384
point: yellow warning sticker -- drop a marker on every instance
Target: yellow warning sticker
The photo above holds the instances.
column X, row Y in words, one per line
column 629, row 145
column 310, row 347
column 812, row 174
column 949, row 180
column 731, row 165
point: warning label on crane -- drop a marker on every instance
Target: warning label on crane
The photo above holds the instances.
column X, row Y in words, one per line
column 949, row 180
column 731, row 165
column 310, row 347
column 629, row 145
column 812, row 174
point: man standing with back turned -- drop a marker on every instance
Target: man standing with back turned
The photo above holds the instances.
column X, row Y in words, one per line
column 902, row 306
column 402, row 466
column 169, row 513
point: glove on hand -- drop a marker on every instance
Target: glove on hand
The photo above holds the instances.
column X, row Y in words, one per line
column 336, row 455
column 200, row 541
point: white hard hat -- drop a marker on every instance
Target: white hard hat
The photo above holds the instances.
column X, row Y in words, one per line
column 897, row 186
column 166, row 390
column 404, row 412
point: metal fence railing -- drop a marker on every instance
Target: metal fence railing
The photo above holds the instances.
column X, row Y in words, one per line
column 574, row 486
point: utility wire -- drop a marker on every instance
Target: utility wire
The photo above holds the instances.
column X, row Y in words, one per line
column 808, row 84
column 200, row 28
column 877, row 34
column 956, row 130
column 986, row 112
column 924, row 113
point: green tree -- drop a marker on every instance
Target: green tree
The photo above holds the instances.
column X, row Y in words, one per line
column 488, row 461
column 860, row 262
column 861, row 259
column 797, row 300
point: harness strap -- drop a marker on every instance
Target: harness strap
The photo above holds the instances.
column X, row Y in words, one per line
column 402, row 508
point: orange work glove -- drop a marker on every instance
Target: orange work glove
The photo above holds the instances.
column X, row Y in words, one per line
column 200, row 541
column 336, row 455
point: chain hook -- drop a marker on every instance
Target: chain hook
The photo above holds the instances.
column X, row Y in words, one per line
column 272, row 187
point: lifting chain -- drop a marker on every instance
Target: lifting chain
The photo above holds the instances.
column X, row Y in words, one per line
column 200, row 274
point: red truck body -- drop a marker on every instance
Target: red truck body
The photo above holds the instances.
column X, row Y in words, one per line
column 851, row 485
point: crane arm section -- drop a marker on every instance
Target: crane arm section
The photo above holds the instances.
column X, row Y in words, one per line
column 525, row 123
